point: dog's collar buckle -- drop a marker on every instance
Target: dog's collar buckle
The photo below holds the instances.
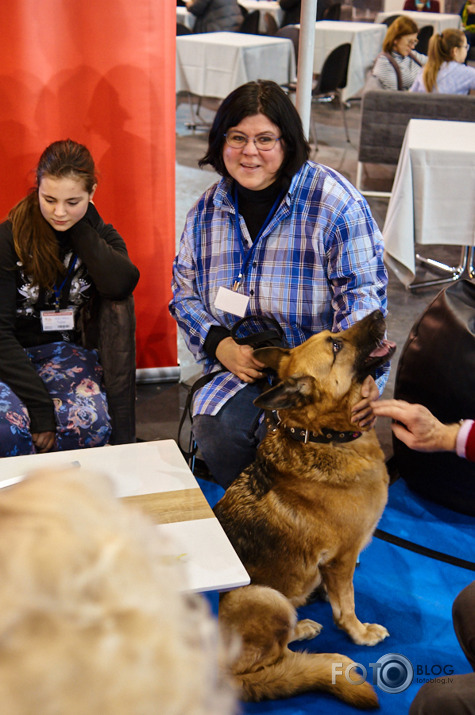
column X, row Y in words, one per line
column 304, row 435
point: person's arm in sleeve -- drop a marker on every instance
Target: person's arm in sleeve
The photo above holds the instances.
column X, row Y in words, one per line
column 197, row 7
column 358, row 280
column 104, row 253
column 16, row 369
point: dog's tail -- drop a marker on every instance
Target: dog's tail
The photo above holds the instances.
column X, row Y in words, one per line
column 265, row 668
column 296, row 673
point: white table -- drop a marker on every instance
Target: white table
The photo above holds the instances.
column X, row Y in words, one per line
column 154, row 477
column 366, row 40
column 186, row 18
column 212, row 64
column 270, row 6
column 432, row 200
column 439, row 21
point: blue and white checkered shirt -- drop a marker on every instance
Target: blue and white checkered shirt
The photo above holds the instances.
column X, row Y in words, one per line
column 452, row 78
column 318, row 265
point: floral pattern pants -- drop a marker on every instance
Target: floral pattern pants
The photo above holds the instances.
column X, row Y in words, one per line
column 73, row 377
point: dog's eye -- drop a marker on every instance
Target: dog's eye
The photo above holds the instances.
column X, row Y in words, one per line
column 337, row 346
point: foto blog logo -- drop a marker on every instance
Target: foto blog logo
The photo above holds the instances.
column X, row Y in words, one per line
column 392, row 673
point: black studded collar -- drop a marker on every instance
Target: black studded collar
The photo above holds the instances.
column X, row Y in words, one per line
column 326, row 436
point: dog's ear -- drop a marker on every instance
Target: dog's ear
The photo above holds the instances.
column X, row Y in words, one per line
column 271, row 357
column 294, row 392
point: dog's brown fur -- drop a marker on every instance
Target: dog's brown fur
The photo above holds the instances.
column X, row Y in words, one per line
column 301, row 513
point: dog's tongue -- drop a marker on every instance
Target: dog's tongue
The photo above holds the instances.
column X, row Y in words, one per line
column 383, row 348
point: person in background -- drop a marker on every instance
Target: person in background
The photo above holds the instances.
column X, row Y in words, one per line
column 56, row 255
column 467, row 13
column 215, row 15
column 398, row 65
column 445, row 71
column 417, row 427
column 277, row 236
column 94, row 618
column 292, row 10
column 422, row 5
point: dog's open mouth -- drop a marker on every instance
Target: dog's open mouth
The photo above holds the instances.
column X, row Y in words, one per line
column 381, row 354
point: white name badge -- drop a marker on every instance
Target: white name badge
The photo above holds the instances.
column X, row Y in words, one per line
column 231, row 301
column 57, row 320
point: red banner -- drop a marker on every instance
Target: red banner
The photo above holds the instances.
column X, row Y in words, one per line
column 101, row 73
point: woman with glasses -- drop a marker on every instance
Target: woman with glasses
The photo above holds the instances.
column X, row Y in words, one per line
column 398, row 65
column 277, row 236
column 445, row 71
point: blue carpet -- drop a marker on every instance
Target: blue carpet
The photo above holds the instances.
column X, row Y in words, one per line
column 409, row 593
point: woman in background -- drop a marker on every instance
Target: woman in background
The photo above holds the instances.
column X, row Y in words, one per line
column 56, row 254
column 445, row 71
column 422, row 5
column 397, row 66
column 215, row 15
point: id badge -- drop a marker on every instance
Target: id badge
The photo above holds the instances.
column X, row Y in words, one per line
column 231, row 301
column 57, row 320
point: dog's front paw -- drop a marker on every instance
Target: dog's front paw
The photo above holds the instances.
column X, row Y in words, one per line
column 371, row 634
column 306, row 629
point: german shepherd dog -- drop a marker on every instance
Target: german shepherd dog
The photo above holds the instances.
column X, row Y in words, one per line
column 301, row 513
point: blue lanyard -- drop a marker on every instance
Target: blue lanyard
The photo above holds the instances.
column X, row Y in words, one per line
column 246, row 257
column 57, row 291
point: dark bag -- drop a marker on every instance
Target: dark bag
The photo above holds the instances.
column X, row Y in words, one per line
column 255, row 330
column 437, row 369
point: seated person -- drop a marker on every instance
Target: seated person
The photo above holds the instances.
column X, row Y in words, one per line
column 398, row 65
column 422, row 5
column 56, row 254
column 277, row 236
column 92, row 616
column 445, row 71
column 215, row 15
column 292, row 9
column 467, row 13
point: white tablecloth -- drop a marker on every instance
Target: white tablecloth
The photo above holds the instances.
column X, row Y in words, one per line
column 432, row 201
column 271, row 6
column 186, row 18
column 439, row 21
column 212, row 64
column 366, row 40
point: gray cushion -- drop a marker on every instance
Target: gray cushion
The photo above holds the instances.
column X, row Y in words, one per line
column 385, row 115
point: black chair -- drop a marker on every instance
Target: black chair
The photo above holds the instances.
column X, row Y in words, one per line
column 333, row 79
column 271, row 24
column 250, row 24
column 423, row 37
column 332, row 12
column 291, row 32
column 182, row 29
column 389, row 20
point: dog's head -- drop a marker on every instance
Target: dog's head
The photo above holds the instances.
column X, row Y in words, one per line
column 327, row 370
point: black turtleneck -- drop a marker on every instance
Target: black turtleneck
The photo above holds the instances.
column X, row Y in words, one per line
column 254, row 206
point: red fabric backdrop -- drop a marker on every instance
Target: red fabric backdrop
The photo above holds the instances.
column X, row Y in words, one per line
column 101, row 73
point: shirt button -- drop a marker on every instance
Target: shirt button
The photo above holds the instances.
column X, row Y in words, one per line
column 254, row 265
column 251, row 292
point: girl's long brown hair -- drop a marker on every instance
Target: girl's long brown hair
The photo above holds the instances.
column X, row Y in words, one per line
column 440, row 51
column 34, row 239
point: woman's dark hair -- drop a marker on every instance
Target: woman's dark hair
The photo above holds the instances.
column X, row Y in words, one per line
column 34, row 239
column 261, row 97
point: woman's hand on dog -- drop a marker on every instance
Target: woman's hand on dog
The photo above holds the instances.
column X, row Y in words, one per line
column 239, row 360
column 417, row 427
column 362, row 413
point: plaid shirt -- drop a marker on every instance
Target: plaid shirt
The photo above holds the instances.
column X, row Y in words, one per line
column 318, row 265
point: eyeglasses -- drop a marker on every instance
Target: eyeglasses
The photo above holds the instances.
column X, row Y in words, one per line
column 265, row 142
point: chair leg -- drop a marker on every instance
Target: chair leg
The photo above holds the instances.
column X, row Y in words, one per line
column 343, row 114
column 464, row 269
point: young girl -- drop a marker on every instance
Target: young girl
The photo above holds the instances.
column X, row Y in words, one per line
column 56, row 253
column 445, row 71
